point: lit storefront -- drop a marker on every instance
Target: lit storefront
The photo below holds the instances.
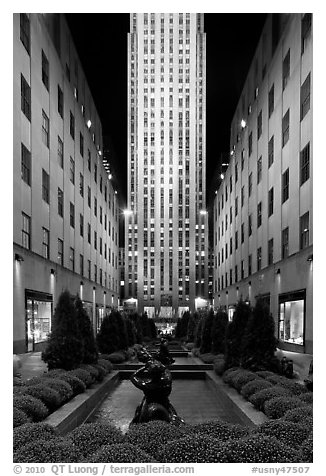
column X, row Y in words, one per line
column 292, row 318
column 39, row 308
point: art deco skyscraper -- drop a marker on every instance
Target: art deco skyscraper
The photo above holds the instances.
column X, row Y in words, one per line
column 166, row 233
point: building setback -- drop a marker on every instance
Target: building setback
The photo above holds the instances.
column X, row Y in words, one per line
column 65, row 214
column 263, row 208
column 166, row 239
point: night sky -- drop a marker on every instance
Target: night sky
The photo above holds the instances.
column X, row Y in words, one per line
column 101, row 42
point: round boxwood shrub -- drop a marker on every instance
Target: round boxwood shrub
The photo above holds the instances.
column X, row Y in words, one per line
column 219, row 366
column 105, row 364
column 102, row 372
column 77, row 385
column 49, row 396
column 34, row 381
column 21, row 390
column 83, row 375
column 207, row 358
column 258, row 399
column 20, row 417
column 229, row 376
column 62, row 387
column 241, row 378
column 90, row 369
column 220, row 430
column 254, row 386
column 298, row 415
column 294, row 387
column 33, row 407
column 104, row 356
column 116, row 357
column 287, row 432
column 32, row 431
column 259, row 448
column 307, row 397
column 192, row 449
column 307, row 450
column 264, row 373
column 120, row 453
column 88, row 437
column 276, row 407
column 149, row 436
column 54, row 450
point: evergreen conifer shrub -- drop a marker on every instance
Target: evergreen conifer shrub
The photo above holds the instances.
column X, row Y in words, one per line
column 65, row 345
column 219, row 326
column 86, row 333
column 108, row 336
column 234, row 339
column 206, row 337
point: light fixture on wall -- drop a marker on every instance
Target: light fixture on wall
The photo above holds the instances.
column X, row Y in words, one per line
column 94, row 288
column 82, row 283
column 237, row 288
column 18, row 257
column 226, row 292
column 249, row 283
column 310, row 257
column 278, row 271
column 52, row 271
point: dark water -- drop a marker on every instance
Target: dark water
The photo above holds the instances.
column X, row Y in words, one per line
column 194, row 400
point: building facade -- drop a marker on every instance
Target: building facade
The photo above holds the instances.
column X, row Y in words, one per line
column 263, row 209
column 166, row 237
column 65, row 211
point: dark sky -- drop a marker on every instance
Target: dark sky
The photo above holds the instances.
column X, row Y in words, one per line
column 101, row 42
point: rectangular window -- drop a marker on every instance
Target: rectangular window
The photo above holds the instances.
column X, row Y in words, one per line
column 249, row 265
column 95, row 240
column 95, row 173
column 81, row 184
column 72, row 258
column 81, row 225
column 46, row 243
column 25, row 93
column 95, row 273
column 26, row 164
column 45, row 129
column 259, row 214
column 305, row 164
column 291, row 318
column 60, row 202
column 259, row 259
column 270, row 151
column 304, row 231
column 89, row 160
column 259, row 169
column 72, row 215
column 45, row 70
column 45, row 186
column 286, row 70
column 95, row 206
column 270, row 251
column 236, row 240
column 26, row 231
column 25, row 33
column 271, row 202
column 89, row 237
column 305, row 97
column 286, row 128
column 250, row 184
column 72, row 171
column 60, row 101
column 81, row 265
column 60, row 252
column 72, row 125
column 250, row 144
column 81, row 144
column 60, row 152
column 285, row 242
column 285, row 185
column 249, row 225
column 305, row 30
column 89, row 196
column 271, row 101
column 242, row 233
column 259, row 125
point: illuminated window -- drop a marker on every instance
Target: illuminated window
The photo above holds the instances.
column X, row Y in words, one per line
column 292, row 317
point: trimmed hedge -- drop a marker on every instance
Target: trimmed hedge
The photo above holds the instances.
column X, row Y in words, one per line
column 258, row 399
column 149, row 436
column 219, row 366
column 287, row 432
column 228, row 376
column 62, row 387
column 241, row 378
column 219, row 430
column 307, row 450
column 32, row 431
column 55, row 450
column 207, row 358
column 294, row 387
column 20, row 417
column 93, row 371
column 82, row 375
column 106, row 364
column 77, row 385
column 102, row 372
column 49, row 396
column 254, row 386
column 276, row 407
column 120, row 453
column 307, row 397
column 192, row 449
column 33, row 407
column 265, row 373
column 298, row 415
column 259, row 449
column 116, row 357
column 88, row 437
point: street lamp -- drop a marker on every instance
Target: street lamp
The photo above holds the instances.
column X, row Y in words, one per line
column 127, row 212
column 203, row 212
column 243, row 123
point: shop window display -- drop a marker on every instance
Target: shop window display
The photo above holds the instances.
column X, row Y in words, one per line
column 291, row 321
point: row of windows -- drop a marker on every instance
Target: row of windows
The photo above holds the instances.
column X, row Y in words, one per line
column 304, row 243
column 26, row 243
column 304, row 176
